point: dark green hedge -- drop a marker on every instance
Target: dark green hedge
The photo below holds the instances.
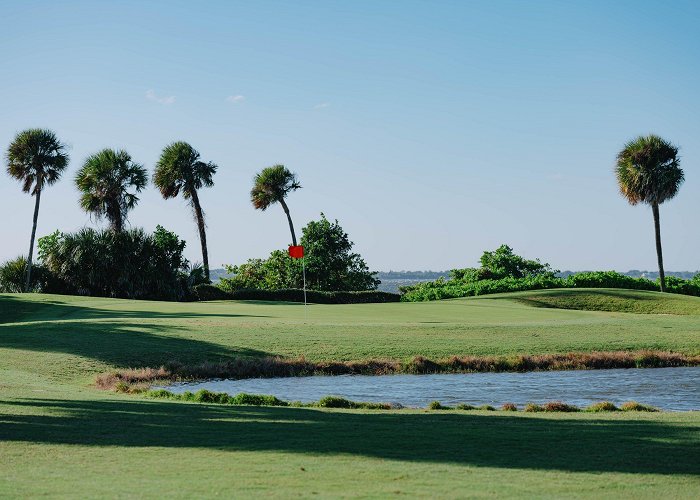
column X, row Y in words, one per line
column 211, row 292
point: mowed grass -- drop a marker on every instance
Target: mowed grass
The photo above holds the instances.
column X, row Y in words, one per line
column 61, row 436
column 629, row 301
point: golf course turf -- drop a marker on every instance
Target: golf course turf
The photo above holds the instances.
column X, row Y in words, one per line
column 60, row 435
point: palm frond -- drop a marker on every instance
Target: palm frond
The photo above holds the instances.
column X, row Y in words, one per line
column 648, row 170
column 36, row 158
column 271, row 185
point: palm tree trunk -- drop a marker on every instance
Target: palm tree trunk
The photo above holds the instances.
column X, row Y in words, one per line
column 289, row 218
column 202, row 232
column 659, row 255
column 31, row 242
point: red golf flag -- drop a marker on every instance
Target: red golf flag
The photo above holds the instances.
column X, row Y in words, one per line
column 296, row 252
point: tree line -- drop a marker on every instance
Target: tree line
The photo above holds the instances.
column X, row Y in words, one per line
column 647, row 171
column 109, row 182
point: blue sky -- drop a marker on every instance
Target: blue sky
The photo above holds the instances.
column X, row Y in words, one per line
column 431, row 130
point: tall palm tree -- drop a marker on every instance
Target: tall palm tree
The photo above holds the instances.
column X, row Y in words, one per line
column 105, row 180
column 270, row 186
column 648, row 171
column 36, row 158
column 180, row 170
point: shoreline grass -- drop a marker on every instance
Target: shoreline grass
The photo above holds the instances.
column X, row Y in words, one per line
column 137, row 378
column 245, row 399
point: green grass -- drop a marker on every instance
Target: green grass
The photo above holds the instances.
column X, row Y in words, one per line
column 629, row 301
column 60, row 436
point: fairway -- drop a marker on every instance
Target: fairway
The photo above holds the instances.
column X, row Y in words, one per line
column 52, row 347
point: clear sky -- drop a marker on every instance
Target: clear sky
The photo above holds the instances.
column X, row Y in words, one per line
column 431, row 130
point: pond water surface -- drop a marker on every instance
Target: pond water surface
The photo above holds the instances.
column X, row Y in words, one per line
column 674, row 389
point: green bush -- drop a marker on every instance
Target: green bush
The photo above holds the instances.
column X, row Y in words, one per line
column 464, row 406
column 472, row 282
column 634, row 406
column 335, row 402
column 558, row 406
column 13, row 275
column 126, row 264
column 329, row 261
column 486, row 408
column 210, row 292
column 609, row 279
column 684, row 287
column 602, row 406
column 436, row 405
column 256, row 400
column 448, row 289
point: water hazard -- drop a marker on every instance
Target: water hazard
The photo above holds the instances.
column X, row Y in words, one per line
column 672, row 389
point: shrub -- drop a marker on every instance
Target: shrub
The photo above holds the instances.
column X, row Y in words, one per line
column 509, row 407
column 13, row 275
column 558, row 406
column 205, row 291
column 679, row 285
column 533, row 408
column 602, row 406
column 464, row 406
column 486, row 408
column 256, row 400
column 609, row 279
column 436, row 405
column 330, row 265
column 634, row 406
column 125, row 264
column 335, row 402
column 448, row 289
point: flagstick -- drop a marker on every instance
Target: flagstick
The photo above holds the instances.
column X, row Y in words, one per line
column 303, row 272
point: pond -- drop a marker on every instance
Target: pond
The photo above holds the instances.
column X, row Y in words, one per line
column 672, row 389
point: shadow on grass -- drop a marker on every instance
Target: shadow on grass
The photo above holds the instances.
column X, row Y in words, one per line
column 122, row 344
column 16, row 309
column 592, row 444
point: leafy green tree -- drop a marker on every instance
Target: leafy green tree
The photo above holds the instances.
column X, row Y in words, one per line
column 271, row 186
column 330, row 263
column 36, row 158
column 106, row 181
column 179, row 170
column 648, row 171
column 503, row 263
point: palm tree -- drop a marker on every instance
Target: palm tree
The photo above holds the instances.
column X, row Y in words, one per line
column 180, row 169
column 36, row 158
column 271, row 186
column 104, row 180
column 648, row 171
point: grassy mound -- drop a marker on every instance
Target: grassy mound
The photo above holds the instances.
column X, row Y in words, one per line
column 609, row 300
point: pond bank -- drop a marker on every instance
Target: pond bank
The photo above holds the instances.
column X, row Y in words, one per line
column 273, row 367
column 673, row 389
